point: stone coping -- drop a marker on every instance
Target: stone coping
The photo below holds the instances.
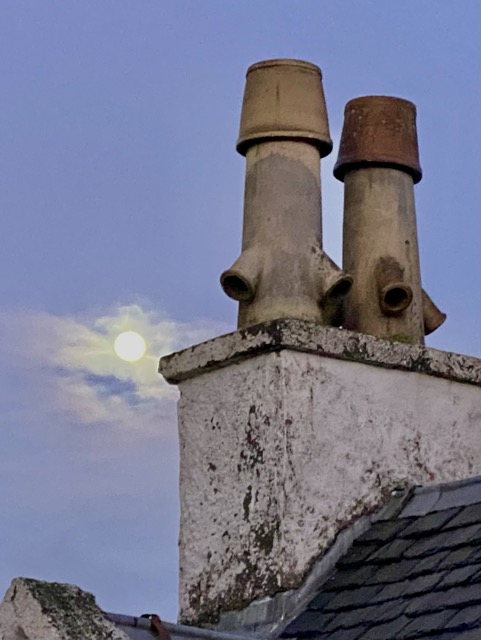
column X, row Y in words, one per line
column 328, row 342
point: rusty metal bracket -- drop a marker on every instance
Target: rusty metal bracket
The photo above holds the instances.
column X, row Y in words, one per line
column 157, row 626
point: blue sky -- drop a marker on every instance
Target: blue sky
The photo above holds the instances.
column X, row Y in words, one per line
column 121, row 199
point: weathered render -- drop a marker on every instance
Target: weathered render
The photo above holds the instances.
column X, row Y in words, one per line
column 37, row 610
column 282, row 447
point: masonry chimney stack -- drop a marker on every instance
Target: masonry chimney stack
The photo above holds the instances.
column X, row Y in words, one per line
column 379, row 165
column 284, row 133
column 290, row 430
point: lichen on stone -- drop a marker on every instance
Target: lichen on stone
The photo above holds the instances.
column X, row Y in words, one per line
column 70, row 613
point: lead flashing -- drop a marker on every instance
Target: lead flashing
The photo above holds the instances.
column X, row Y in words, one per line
column 328, row 342
column 136, row 627
column 270, row 616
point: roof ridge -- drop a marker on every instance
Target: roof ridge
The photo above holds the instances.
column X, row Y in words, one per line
column 451, row 484
column 458, row 493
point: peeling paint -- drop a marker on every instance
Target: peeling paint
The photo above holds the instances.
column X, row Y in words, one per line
column 303, row 446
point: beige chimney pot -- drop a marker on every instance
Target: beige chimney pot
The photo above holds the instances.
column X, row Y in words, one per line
column 284, row 132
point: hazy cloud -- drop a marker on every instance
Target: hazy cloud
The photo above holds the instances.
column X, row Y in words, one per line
column 89, row 454
column 74, row 361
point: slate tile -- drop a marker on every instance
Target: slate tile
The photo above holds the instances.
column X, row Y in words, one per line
column 427, row 623
column 423, row 584
column 394, row 550
column 470, row 533
column 390, row 610
column 425, row 525
column 350, row 578
column 458, row 496
column 322, row 622
column 352, row 598
column 422, row 503
column 450, row 635
column 463, row 594
column 422, row 603
column 381, row 612
column 306, row 624
column 460, row 557
column 357, row 555
column 391, row 591
column 437, row 600
column 467, row 515
column 459, row 576
column 433, row 544
column 432, row 563
column 476, row 577
column 467, row 617
column 471, row 634
column 383, row 531
column 475, row 556
column 321, row 600
column 344, row 634
column 387, row 630
column 407, row 568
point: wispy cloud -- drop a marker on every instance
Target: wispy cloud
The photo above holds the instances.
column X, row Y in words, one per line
column 88, row 453
column 76, row 366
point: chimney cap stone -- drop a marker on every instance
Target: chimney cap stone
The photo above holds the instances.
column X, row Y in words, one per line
column 329, row 342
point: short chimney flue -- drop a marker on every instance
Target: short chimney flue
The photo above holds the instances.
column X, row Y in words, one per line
column 284, row 133
column 379, row 165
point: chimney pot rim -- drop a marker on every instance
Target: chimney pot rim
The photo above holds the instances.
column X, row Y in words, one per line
column 284, row 62
column 388, row 162
column 378, row 99
column 323, row 144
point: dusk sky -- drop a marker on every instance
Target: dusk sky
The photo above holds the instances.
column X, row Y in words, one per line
column 121, row 204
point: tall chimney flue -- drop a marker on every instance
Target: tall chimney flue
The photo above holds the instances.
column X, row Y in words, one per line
column 379, row 165
column 284, row 133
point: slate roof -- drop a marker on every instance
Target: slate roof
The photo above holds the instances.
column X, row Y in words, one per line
column 412, row 574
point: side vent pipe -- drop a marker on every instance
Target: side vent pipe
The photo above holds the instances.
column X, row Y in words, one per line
column 240, row 281
column 284, row 133
column 379, row 165
column 433, row 318
column 394, row 294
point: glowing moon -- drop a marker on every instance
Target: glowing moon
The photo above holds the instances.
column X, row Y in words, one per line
column 130, row 346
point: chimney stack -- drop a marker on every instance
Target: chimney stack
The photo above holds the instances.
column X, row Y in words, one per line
column 290, row 430
column 284, row 133
column 379, row 165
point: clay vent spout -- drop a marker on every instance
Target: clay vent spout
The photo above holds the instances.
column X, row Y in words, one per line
column 284, row 132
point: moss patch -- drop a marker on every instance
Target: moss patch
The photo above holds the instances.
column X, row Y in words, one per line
column 71, row 610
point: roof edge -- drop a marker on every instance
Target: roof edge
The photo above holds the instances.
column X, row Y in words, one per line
column 459, row 493
column 177, row 630
column 269, row 617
